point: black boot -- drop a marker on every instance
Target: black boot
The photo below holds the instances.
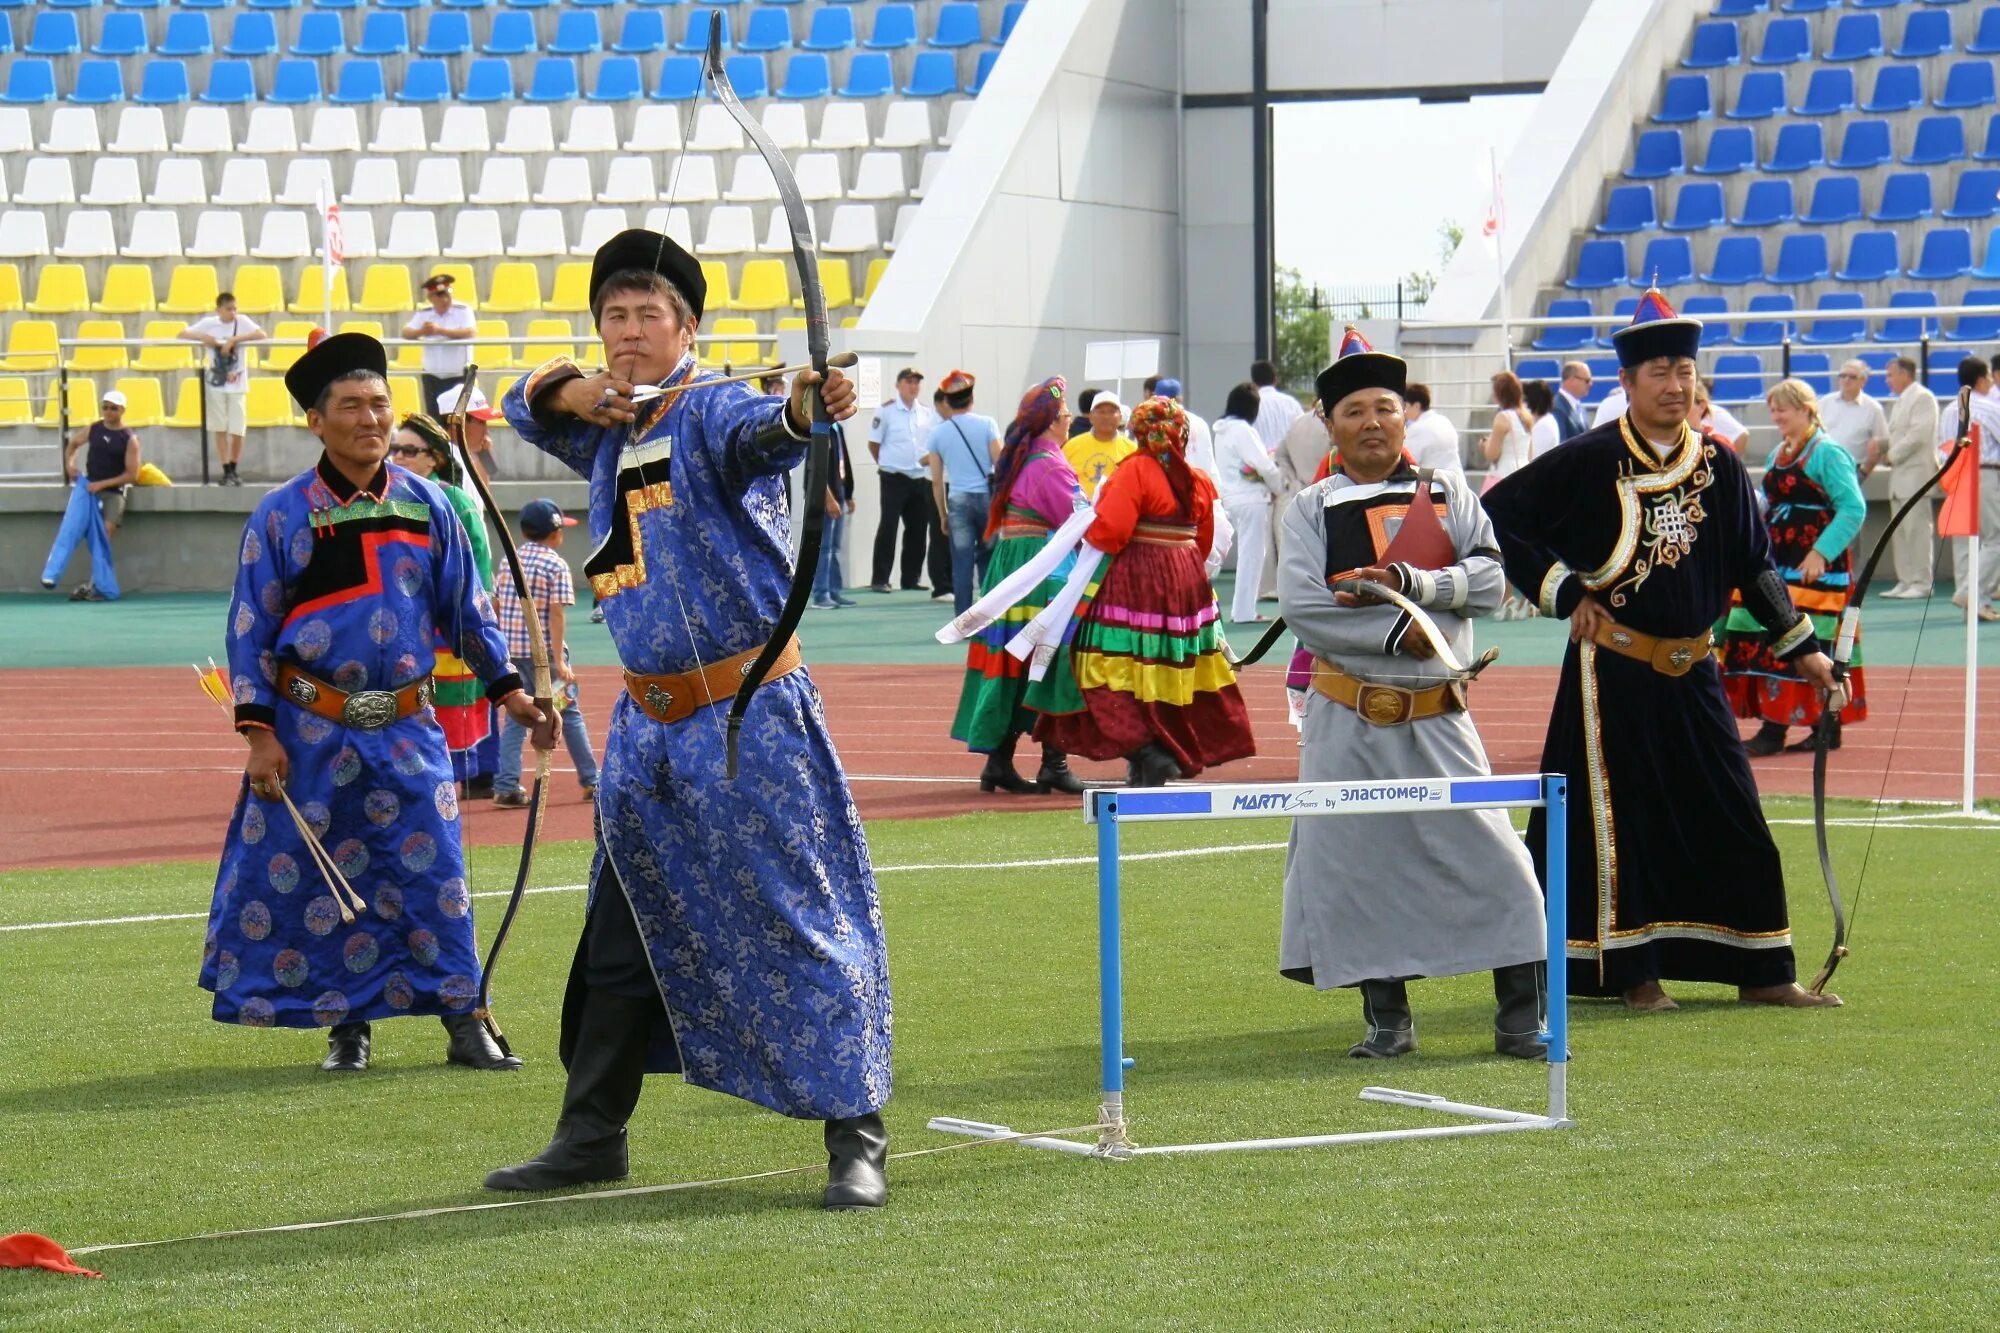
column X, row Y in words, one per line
column 607, row 1069
column 1054, row 774
column 857, row 1158
column 1520, row 992
column 346, row 1049
column 1770, row 739
column 999, row 774
column 1811, row 742
column 1151, row 766
column 473, row 1046
column 1391, row 1030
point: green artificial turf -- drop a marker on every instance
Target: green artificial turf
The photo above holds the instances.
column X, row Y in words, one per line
column 1731, row 1167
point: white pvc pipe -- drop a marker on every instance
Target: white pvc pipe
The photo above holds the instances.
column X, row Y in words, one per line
column 1367, row 1136
column 1975, row 598
column 979, row 1129
column 1424, row 1101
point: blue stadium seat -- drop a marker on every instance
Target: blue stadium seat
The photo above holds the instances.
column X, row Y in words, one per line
column 272, row 4
column 1731, row 148
column 619, row 79
column 643, row 32
column 1537, row 368
column 296, row 82
column 1668, row 262
column 1685, row 99
column 1926, row 33
column 466, row 4
column 832, row 30
column 1738, row 377
column 1986, row 40
column 1809, row 6
column 336, row 4
column 1947, row 254
column 680, row 78
column 1846, row 329
column 188, row 34
column 982, row 71
column 1658, row 154
column 1864, row 145
column 1872, row 256
column 1786, row 42
column 1909, row 328
column 385, row 33
column 768, row 30
column 54, row 34
column 1990, row 266
column 1599, row 264
column 320, row 36
column 360, row 84
column 577, row 34
column 956, row 25
column 895, row 28
column 1760, row 96
column 252, row 34
column 530, row 4
column 695, row 38
column 425, row 83
column 1891, row 4
column 1714, row 331
column 192, row 4
column 121, row 35
column 447, row 34
column 749, row 76
column 30, row 82
column 1604, row 369
column 163, row 83
column 1828, row 93
column 1008, row 18
column 1816, row 369
column 1856, row 37
column 1802, row 257
column 1566, row 337
column 230, row 83
column 512, row 34
column 868, row 75
column 1715, row 44
column 1767, row 332
column 1939, row 139
column 391, row 4
column 1835, row 199
column 1628, row 209
column 1976, row 328
column 1800, row 147
column 1897, row 88
column 1766, row 204
column 934, row 74
column 1969, row 83
column 1738, row 260
column 553, row 80
column 98, row 83
column 1698, row 206
column 1736, row 9
column 488, row 79
column 1977, row 195
column 1906, row 196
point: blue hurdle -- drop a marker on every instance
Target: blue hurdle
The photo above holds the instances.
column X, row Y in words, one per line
column 1109, row 810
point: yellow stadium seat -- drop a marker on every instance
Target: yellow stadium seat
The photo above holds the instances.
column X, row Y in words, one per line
column 312, row 292
column 16, row 409
column 792, row 324
column 517, row 289
column 499, row 392
column 850, row 322
column 406, row 394
column 83, row 402
column 128, row 290
column 187, row 406
column 59, row 290
column 739, row 355
column 464, row 281
column 99, row 358
column 571, row 293
column 765, row 287
column 145, row 405
column 269, row 404
column 386, row 289
column 31, row 345
column 876, row 268
column 716, row 274
column 838, row 279
column 191, row 290
column 174, row 355
column 10, row 288
column 259, row 289
column 533, row 354
column 492, row 355
column 281, row 359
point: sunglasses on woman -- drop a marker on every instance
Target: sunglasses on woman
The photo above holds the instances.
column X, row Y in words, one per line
column 408, row 450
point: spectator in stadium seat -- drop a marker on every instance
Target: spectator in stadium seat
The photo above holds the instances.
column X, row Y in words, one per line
column 1854, row 420
column 1571, row 419
column 1977, row 375
column 1430, row 438
column 441, row 323
column 960, row 452
column 226, row 378
column 110, row 466
column 1912, row 459
column 1365, row 904
column 895, row 440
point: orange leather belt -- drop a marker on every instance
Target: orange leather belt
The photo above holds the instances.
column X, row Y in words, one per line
column 675, row 698
column 1669, row 657
column 364, row 710
column 1163, row 534
column 1386, row 705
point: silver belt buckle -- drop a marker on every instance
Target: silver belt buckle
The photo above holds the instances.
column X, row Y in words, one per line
column 369, row 710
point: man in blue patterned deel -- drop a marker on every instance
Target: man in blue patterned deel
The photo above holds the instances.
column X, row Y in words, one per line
column 732, row 933
column 350, row 575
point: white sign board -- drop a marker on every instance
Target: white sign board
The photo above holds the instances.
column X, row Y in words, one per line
column 1112, row 361
column 868, row 382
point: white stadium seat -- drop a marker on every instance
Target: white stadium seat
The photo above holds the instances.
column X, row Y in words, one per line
column 933, row 164
column 141, row 130
column 46, row 180
column 785, row 122
column 778, row 232
column 715, row 131
column 732, row 230
column 655, row 129
column 309, row 181
column 502, row 180
column 87, row 235
column 206, row 129
column 17, row 132
column 819, row 176
column 954, row 119
column 155, row 234
column 285, row 235
column 565, row 180
column 853, row 230
column 72, row 129
column 905, row 215
column 357, row 232
column 538, row 234
column 880, row 176
column 114, row 181
column 412, row 235
column 23, row 234
column 676, row 222
column 218, row 234
column 599, row 226
column 628, row 180
column 179, row 182
column 375, row 181
column 399, row 129
column 905, row 125
column 464, row 131
column 271, row 132
column 690, row 180
column 529, row 130
column 475, row 234
column 438, row 180
column 751, row 181
column 245, row 180
column 843, row 125
column 592, row 129
column 334, row 129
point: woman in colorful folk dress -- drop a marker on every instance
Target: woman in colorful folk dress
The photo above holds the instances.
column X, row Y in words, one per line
column 1035, row 492
column 1814, row 509
column 1148, row 657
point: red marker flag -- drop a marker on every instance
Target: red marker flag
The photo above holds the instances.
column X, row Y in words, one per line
column 24, row 1249
column 1959, row 516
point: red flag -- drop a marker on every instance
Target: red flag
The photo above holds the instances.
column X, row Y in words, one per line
column 1959, row 516
column 24, row 1249
column 336, row 238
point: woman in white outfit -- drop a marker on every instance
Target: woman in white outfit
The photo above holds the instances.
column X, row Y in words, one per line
column 1540, row 401
column 1507, row 448
column 1246, row 477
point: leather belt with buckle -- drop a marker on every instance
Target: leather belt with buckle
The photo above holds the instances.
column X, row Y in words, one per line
column 1386, row 705
column 674, row 698
column 363, row 710
column 1669, row 657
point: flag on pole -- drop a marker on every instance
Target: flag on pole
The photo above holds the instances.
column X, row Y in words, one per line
column 334, row 243
column 1959, row 516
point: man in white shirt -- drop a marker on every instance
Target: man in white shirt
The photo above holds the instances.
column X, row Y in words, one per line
column 1912, row 459
column 1978, row 376
column 226, row 378
column 1612, row 408
column 1276, row 409
column 1854, row 419
column 895, row 440
column 1429, row 437
column 443, row 325
column 1201, row 437
column 1570, row 394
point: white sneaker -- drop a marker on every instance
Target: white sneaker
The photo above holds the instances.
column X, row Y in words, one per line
column 1905, row 592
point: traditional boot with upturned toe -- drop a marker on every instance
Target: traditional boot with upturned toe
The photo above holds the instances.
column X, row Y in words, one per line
column 1391, row 1030
column 346, row 1049
column 857, row 1158
column 473, row 1046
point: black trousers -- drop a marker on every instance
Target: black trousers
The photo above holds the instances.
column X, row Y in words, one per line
column 611, row 956
column 433, row 386
column 908, row 500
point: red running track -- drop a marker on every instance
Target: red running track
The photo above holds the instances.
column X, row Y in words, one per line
column 110, row 766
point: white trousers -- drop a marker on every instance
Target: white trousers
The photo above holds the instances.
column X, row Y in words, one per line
column 1915, row 544
column 1989, row 540
column 1252, row 521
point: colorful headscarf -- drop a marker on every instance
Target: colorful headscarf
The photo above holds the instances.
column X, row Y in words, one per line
column 1159, row 426
column 1041, row 407
column 438, row 441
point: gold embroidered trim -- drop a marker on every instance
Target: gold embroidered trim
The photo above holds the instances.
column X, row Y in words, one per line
column 1685, row 930
column 1669, row 526
column 1601, row 823
column 1794, row 636
column 1551, row 585
column 641, row 500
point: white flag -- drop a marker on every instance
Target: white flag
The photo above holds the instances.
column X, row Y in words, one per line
column 335, row 244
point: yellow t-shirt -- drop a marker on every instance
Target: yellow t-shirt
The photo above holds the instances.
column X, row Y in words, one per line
column 1093, row 458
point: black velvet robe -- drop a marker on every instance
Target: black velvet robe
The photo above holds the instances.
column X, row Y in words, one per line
column 1672, row 871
